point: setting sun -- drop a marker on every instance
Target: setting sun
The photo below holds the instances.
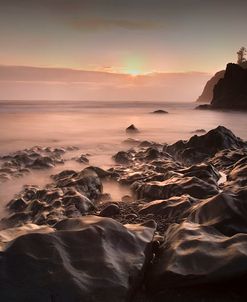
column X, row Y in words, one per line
column 134, row 72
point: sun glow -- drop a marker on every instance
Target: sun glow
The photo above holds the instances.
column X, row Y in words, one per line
column 134, row 72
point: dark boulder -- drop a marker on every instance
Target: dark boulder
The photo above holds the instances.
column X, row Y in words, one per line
column 226, row 212
column 193, row 254
column 83, row 260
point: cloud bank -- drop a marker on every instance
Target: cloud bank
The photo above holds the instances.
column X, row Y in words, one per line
column 35, row 83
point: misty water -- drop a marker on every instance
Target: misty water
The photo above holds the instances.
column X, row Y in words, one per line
column 98, row 128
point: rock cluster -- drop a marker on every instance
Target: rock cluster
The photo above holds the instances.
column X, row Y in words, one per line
column 72, row 194
column 20, row 162
column 69, row 249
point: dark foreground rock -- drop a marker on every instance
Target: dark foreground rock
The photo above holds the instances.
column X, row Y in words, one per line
column 194, row 254
column 80, row 260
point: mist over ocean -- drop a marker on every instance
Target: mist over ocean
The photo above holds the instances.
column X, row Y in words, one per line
column 96, row 123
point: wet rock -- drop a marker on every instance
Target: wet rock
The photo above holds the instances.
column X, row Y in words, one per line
column 97, row 246
column 175, row 186
column 203, row 171
column 41, row 163
column 86, row 182
column 198, row 148
column 193, row 254
column 17, row 205
column 131, row 129
column 15, row 220
column 174, row 207
column 131, row 216
column 64, row 174
column 150, row 153
column 227, row 212
column 226, row 159
column 19, row 163
column 110, row 210
column 82, row 203
column 82, row 159
column 122, row 157
column 73, row 194
column 37, row 206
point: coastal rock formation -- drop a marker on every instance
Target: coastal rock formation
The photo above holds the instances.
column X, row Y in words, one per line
column 80, row 260
column 231, row 91
column 207, row 93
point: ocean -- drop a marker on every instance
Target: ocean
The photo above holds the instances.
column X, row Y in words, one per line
column 98, row 129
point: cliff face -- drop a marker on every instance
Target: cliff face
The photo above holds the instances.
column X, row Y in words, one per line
column 231, row 91
column 207, row 94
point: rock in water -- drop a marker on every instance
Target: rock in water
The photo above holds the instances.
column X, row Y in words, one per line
column 131, row 129
column 92, row 259
column 160, row 111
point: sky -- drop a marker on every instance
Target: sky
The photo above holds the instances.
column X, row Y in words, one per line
column 140, row 38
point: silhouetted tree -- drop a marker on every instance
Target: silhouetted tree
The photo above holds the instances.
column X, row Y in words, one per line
column 241, row 53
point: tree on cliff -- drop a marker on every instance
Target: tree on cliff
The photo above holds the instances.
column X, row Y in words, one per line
column 241, row 55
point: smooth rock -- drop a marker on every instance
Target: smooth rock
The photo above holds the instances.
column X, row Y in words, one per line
column 84, row 260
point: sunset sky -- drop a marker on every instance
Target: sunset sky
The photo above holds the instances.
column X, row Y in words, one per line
column 189, row 37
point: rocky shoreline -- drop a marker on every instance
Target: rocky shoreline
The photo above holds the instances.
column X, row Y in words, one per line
column 180, row 236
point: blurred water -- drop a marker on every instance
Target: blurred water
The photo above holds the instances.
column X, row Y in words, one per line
column 98, row 128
